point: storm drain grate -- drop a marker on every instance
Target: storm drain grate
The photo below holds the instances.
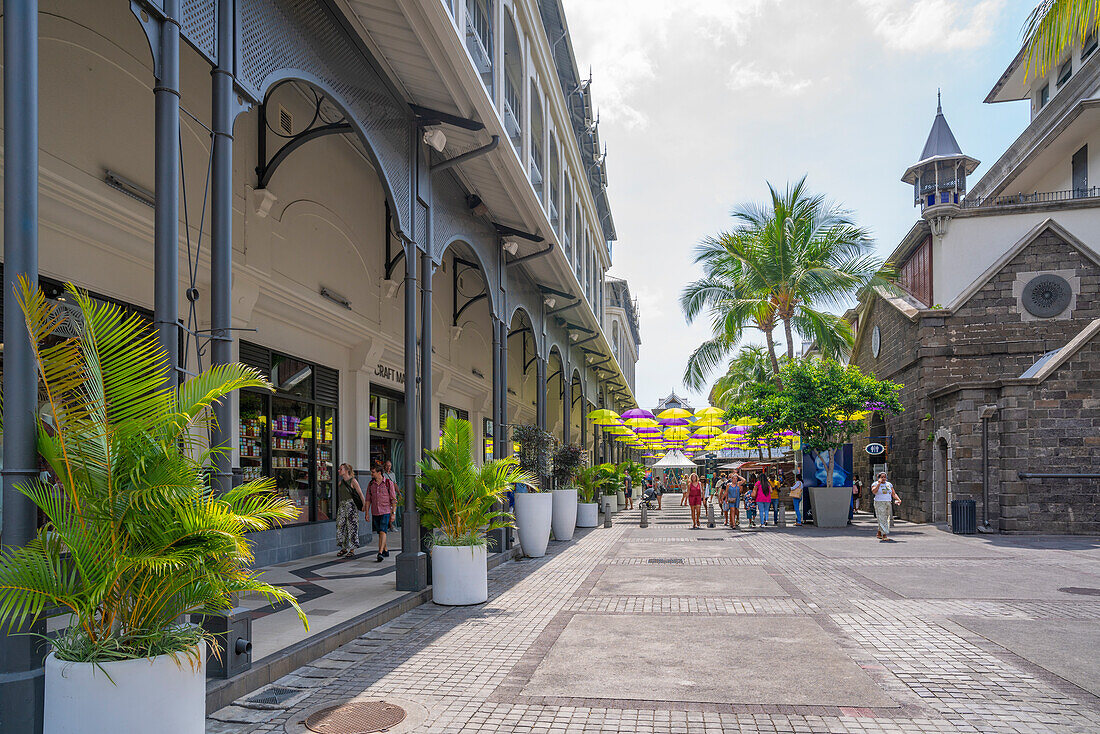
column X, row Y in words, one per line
column 274, row 695
column 666, row 560
column 357, row 717
column 1082, row 590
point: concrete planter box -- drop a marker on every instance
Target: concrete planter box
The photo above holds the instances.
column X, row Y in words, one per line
column 564, row 520
column 460, row 574
column 609, row 501
column 162, row 694
column 621, row 496
column 830, row 506
column 534, row 513
column 588, row 514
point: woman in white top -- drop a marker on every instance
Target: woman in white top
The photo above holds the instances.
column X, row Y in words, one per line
column 884, row 494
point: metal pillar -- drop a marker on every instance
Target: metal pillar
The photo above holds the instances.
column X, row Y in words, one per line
column 584, row 420
column 427, row 269
column 540, row 397
column 566, row 400
column 166, row 218
column 411, row 563
column 506, row 446
column 221, row 237
column 496, row 538
column 21, row 673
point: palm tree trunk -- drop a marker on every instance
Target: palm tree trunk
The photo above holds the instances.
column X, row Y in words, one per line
column 771, row 355
column 790, row 338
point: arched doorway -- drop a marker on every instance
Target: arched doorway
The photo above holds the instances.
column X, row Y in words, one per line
column 941, row 481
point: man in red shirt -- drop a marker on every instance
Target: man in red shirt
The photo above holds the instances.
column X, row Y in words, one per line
column 383, row 506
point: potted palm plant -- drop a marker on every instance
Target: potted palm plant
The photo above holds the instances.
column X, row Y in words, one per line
column 534, row 508
column 609, row 486
column 636, row 472
column 134, row 539
column 567, row 460
column 457, row 499
column 590, row 481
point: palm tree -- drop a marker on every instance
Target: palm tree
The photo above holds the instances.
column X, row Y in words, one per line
column 750, row 366
column 1053, row 26
column 786, row 260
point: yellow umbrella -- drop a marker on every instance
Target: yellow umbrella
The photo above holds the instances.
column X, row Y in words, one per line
column 709, row 422
column 677, row 432
column 641, row 423
column 708, row 431
column 710, row 412
column 674, row 413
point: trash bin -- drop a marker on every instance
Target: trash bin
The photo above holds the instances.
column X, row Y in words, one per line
column 964, row 517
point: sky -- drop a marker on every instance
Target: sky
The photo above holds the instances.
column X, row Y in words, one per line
column 702, row 102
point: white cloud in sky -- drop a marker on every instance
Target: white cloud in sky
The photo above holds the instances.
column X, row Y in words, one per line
column 905, row 25
column 703, row 101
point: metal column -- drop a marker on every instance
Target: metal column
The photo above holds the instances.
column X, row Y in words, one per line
column 427, row 269
column 221, row 236
column 506, row 446
column 496, row 538
column 584, row 420
column 21, row 673
column 412, row 563
column 166, row 153
column 540, row 397
column 566, row 399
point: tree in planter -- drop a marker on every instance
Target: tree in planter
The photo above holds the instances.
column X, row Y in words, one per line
column 817, row 401
column 456, row 496
column 590, row 482
column 634, row 469
column 134, row 538
column 567, row 461
column 609, row 478
column 536, row 453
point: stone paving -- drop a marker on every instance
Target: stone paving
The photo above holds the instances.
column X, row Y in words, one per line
column 784, row 630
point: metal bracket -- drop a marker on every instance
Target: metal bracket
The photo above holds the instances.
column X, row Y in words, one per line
column 425, row 117
column 505, row 231
column 533, row 255
column 150, row 17
column 391, row 262
column 312, row 131
column 455, row 308
column 468, row 155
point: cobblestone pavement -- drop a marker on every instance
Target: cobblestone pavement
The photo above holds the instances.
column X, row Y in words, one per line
column 764, row 630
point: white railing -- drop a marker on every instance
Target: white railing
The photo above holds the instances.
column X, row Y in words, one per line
column 511, row 107
column 477, row 35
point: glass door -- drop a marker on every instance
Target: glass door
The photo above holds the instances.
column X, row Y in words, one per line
column 254, row 435
column 326, row 453
column 292, row 453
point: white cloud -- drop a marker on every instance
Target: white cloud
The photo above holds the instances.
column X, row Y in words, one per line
column 745, row 76
column 904, row 25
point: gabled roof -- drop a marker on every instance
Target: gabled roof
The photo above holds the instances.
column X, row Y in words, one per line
column 941, row 141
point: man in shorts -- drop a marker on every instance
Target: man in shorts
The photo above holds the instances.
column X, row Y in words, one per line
column 383, row 506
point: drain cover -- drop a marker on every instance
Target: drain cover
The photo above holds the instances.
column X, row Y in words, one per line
column 274, row 695
column 357, row 717
column 1082, row 590
column 666, row 560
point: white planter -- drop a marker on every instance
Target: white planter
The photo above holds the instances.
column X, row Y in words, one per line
column 564, row 521
column 460, row 574
column 830, row 505
column 622, row 499
column 609, row 501
column 534, row 512
column 149, row 694
column 588, row 514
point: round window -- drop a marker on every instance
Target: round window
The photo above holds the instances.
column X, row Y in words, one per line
column 876, row 342
column 1047, row 295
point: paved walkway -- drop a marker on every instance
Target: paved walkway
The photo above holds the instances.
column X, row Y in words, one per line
column 667, row 629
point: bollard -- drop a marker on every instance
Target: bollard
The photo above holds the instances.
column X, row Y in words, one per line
column 607, row 514
column 782, row 515
column 710, row 515
column 645, row 517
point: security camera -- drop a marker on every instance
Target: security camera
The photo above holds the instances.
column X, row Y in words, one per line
column 436, row 138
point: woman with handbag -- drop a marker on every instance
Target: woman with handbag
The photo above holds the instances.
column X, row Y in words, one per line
column 350, row 502
column 796, row 498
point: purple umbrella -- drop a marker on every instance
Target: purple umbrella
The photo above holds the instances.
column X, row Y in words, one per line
column 675, row 422
column 651, row 429
column 637, row 413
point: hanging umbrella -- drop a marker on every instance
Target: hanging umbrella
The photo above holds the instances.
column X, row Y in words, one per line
column 708, row 431
column 674, row 413
column 675, row 460
column 674, row 422
column 710, row 412
column 640, row 422
column 637, row 413
column 603, row 416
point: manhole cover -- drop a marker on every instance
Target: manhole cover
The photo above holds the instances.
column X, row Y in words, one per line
column 666, row 560
column 1082, row 590
column 357, row 717
column 274, row 695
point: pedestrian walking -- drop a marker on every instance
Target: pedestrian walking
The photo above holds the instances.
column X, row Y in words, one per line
column 383, row 507
column 857, row 491
column 628, row 489
column 695, row 498
column 796, row 499
column 660, row 491
column 762, row 493
column 683, row 492
column 736, row 490
column 776, row 485
column 884, row 495
column 749, row 497
column 388, row 473
column 350, row 502
column 723, row 484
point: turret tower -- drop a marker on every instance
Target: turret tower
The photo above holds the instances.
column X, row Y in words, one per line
column 939, row 178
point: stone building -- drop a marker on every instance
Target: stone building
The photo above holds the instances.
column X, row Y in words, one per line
column 994, row 329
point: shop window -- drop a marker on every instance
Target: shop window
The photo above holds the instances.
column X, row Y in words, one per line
column 1065, row 73
column 1090, row 45
column 446, row 411
column 487, row 440
column 291, row 435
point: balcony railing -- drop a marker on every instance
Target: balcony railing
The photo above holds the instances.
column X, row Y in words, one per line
column 1036, row 197
column 477, row 38
column 511, row 109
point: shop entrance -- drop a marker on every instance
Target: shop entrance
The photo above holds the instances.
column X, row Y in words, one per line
column 387, row 433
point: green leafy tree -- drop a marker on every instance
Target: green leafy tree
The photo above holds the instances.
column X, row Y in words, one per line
column 818, row 401
column 1055, row 25
column 536, row 452
column 134, row 539
column 786, row 262
column 568, row 460
column 747, row 368
column 590, row 482
column 460, row 498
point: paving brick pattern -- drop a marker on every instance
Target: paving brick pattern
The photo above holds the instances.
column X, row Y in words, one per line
column 468, row 667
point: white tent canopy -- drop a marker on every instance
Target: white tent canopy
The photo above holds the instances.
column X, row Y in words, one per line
column 675, row 459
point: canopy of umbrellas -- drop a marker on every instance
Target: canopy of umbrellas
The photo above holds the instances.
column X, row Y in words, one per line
column 707, row 429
